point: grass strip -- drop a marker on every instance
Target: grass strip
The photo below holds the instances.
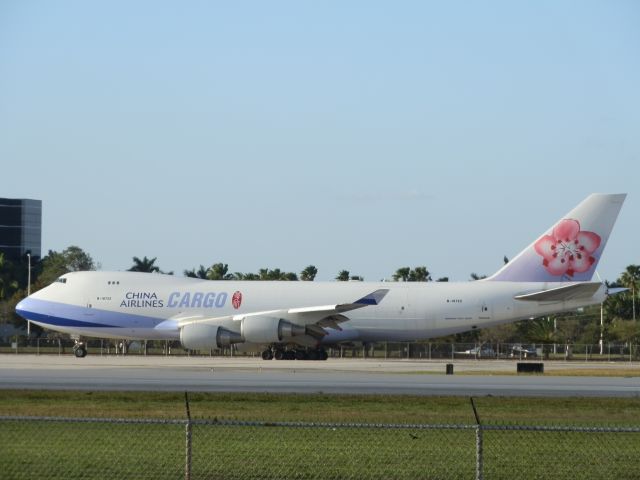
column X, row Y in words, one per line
column 386, row 409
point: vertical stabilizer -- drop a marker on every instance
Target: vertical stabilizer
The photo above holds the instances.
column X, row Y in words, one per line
column 570, row 250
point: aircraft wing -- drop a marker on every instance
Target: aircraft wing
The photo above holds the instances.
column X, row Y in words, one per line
column 559, row 294
column 314, row 318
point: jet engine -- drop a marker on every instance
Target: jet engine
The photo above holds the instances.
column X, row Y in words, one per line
column 265, row 330
column 205, row 337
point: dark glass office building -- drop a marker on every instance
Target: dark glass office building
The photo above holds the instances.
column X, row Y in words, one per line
column 20, row 227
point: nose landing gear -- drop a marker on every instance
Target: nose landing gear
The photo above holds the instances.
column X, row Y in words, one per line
column 80, row 350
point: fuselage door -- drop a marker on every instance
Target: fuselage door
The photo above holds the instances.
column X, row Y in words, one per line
column 88, row 311
column 484, row 312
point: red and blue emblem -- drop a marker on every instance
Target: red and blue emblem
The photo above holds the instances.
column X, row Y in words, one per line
column 236, row 300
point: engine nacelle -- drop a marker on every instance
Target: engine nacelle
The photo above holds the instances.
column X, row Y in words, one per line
column 269, row 330
column 205, row 337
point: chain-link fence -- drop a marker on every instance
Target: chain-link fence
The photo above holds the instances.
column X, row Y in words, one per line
column 86, row 448
column 607, row 352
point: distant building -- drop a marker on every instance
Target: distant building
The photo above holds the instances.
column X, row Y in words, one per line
column 20, row 227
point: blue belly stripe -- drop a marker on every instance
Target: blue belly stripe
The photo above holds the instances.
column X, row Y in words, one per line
column 62, row 322
column 65, row 315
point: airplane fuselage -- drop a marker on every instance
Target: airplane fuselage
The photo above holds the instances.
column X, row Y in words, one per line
column 127, row 305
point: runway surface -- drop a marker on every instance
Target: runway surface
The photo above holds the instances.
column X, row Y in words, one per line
column 333, row 376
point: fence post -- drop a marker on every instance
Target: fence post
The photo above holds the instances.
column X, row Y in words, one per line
column 479, row 452
column 187, row 463
column 479, row 475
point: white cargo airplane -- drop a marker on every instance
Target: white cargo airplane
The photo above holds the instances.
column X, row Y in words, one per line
column 289, row 320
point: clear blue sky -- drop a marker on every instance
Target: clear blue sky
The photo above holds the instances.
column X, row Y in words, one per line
column 349, row 135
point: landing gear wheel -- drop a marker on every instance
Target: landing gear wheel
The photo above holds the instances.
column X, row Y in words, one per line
column 322, row 355
column 300, row 355
column 80, row 351
column 267, row 355
column 289, row 355
column 279, row 355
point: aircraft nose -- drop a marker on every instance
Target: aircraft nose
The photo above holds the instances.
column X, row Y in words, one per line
column 25, row 308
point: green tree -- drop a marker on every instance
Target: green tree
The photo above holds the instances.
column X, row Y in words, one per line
column 343, row 276
column 147, row 265
column 626, row 331
column 402, row 274
column 219, row 271
column 276, row 274
column 289, row 276
column 630, row 279
column 419, row 274
column 618, row 306
column 8, row 282
column 246, row 276
column 406, row 274
column 71, row 259
column 193, row 273
column 542, row 330
column 53, row 265
column 475, row 276
column 309, row 273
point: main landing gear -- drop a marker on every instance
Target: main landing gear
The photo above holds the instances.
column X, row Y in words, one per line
column 80, row 349
column 297, row 354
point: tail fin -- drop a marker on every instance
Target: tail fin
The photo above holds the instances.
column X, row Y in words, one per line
column 570, row 250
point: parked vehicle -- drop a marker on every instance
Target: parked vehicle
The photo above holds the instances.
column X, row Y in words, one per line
column 521, row 351
column 483, row 351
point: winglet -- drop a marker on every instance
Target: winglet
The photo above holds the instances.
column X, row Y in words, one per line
column 374, row 298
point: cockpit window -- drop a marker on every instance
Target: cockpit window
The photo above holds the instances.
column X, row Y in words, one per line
column 61, row 280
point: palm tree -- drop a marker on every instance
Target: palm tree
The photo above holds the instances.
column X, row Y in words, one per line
column 275, row 274
column 201, row 273
column 309, row 273
column 218, row 271
column 145, row 265
column 246, row 276
column 629, row 279
column 542, row 330
column 475, row 276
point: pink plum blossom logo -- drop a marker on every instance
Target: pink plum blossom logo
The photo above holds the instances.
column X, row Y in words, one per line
column 236, row 300
column 568, row 250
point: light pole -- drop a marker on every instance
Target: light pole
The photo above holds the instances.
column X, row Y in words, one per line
column 633, row 299
column 602, row 328
column 28, row 289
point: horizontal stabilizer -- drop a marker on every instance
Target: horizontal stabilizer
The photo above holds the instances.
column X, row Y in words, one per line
column 616, row 290
column 560, row 294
